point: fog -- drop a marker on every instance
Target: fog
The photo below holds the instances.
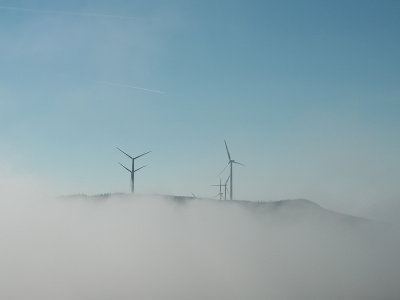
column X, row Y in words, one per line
column 153, row 247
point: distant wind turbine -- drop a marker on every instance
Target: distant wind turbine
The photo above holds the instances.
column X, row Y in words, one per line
column 230, row 163
column 220, row 189
column 226, row 186
column 132, row 171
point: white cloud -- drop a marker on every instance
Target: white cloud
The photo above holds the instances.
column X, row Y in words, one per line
column 154, row 248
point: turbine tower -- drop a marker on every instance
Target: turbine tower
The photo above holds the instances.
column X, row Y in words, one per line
column 230, row 163
column 132, row 171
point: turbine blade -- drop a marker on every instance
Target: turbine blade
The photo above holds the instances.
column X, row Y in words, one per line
column 224, row 169
column 235, row 162
column 125, row 168
column 125, row 153
column 194, row 196
column 226, row 182
column 142, row 154
column 140, row 168
column 226, row 146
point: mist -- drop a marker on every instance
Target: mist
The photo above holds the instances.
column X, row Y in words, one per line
column 157, row 247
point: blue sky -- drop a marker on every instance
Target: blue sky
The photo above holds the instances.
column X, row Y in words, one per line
column 306, row 95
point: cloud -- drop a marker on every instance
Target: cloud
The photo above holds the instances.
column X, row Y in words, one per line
column 128, row 247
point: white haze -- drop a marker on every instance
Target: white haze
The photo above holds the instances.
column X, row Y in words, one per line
column 155, row 248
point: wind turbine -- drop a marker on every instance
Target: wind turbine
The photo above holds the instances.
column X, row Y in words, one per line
column 220, row 189
column 132, row 171
column 230, row 163
column 226, row 186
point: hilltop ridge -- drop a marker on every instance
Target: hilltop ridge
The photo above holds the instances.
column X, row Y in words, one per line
column 288, row 209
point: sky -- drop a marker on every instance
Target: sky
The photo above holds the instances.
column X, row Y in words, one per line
column 306, row 95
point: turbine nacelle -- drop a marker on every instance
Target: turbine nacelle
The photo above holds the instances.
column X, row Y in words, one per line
column 236, row 162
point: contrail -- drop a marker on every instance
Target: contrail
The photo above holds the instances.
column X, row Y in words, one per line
column 131, row 87
column 42, row 11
